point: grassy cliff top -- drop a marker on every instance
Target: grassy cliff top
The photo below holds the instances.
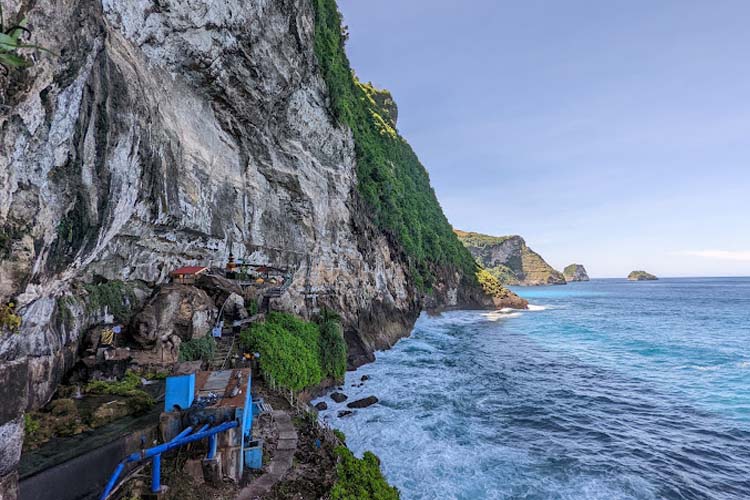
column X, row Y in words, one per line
column 482, row 240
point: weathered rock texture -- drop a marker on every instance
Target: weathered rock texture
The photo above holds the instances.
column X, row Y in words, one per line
column 169, row 133
column 510, row 259
column 575, row 272
column 181, row 310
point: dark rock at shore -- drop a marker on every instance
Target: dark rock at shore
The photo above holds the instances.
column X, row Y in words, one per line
column 364, row 378
column 345, row 413
column 339, row 397
column 363, row 403
column 321, row 406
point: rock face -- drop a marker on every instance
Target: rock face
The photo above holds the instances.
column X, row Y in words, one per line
column 510, row 260
column 181, row 310
column 641, row 276
column 575, row 272
column 173, row 133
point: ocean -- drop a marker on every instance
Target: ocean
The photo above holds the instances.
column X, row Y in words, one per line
column 603, row 390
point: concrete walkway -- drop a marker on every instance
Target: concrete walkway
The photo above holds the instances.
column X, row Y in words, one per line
column 282, row 459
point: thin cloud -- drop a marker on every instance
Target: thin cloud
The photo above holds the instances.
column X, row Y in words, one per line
column 736, row 255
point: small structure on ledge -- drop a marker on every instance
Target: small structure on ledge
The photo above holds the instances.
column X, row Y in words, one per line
column 215, row 406
column 187, row 275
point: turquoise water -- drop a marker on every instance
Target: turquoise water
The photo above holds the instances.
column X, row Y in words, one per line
column 604, row 390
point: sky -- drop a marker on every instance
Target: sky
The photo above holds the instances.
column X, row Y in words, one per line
column 611, row 134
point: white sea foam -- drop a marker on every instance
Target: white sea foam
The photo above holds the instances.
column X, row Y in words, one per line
column 502, row 314
column 534, row 307
column 743, row 364
column 701, row 368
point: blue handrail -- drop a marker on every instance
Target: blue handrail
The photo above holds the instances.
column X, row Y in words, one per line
column 155, row 453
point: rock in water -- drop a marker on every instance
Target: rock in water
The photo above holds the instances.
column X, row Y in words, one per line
column 641, row 276
column 363, row 403
column 321, row 406
column 345, row 413
column 339, row 397
column 575, row 272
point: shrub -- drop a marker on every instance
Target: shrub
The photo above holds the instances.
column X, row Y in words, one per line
column 332, row 349
column 198, row 349
column 252, row 307
column 139, row 402
column 289, row 350
column 9, row 320
column 339, row 435
column 125, row 387
column 491, row 285
column 360, row 479
column 30, row 425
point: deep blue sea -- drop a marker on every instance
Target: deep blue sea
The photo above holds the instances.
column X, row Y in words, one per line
column 603, row 390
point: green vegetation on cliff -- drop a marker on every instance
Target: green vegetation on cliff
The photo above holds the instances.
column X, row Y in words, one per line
column 9, row 320
column 201, row 349
column 360, row 478
column 296, row 354
column 392, row 181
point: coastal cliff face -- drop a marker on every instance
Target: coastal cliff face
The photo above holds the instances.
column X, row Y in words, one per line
column 510, row 259
column 170, row 133
column 575, row 272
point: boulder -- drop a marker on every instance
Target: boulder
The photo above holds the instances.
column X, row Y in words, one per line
column 321, row 406
column 364, row 378
column 345, row 413
column 234, row 307
column 363, row 403
column 180, row 310
column 217, row 287
column 339, row 397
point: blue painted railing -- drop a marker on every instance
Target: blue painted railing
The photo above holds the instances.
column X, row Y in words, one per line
column 155, row 453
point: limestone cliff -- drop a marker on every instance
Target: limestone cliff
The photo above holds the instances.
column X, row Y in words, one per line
column 169, row 133
column 510, row 259
column 575, row 272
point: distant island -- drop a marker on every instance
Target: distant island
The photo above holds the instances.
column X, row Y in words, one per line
column 575, row 272
column 641, row 276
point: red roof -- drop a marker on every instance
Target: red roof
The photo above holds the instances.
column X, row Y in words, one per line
column 189, row 270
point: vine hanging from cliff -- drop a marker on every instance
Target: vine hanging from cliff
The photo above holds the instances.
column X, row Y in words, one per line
column 391, row 179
